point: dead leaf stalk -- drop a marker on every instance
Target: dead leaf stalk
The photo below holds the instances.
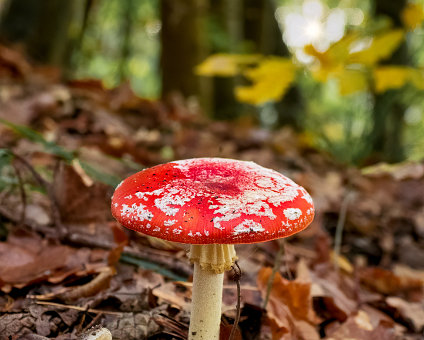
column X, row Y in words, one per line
column 340, row 227
column 22, row 192
column 236, row 278
column 276, row 267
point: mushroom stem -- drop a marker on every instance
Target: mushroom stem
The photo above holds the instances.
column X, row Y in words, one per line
column 205, row 316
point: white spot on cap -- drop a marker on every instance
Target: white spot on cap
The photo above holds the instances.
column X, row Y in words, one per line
column 175, row 196
column 265, row 182
column 143, row 194
column 307, row 197
column 287, row 195
column 292, row 213
column 168, row 223
column 138, row 212
column 248, row 226
column 183, row 165
column 128, row 197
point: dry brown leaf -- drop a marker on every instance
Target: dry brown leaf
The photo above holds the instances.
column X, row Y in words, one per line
column 412, row 311
column 408, row 272
column 79, row 203
column 167, row 292
column 13, row 63
column 296, row 295
column 359, row 327
column 332, row 293
column 289, row 303
column 387, row 282
column 26, row 259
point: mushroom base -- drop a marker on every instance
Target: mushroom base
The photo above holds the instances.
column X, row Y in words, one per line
column 213, row 257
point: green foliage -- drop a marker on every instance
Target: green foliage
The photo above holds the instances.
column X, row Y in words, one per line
column 6, row 179
column 339, row 82
column 152, row 266
column 6, row 158
column 100, row 176
column 101, row 49
column 36, row 137
column 51, row 148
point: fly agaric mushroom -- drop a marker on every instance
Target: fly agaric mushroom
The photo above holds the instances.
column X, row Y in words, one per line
column 212, row 204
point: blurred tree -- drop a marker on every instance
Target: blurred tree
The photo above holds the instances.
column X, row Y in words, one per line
column 261, row 28
column 369, row 64
column 226, row 34
column 127, row 25
column 388, row 114
column 249, row 26
column 184, row 45
column 45, row 28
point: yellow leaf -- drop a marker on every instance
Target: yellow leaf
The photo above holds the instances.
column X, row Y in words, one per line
column 412, row 16
column 351, row 81
column 333, row 59
column 382, row 46
column 271, row 78
column 333, row 131
column 225, row 65
column 417, row 78
column 342, row 262
column 391, row 77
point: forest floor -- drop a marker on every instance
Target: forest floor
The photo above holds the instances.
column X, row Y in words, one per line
column 67, row 265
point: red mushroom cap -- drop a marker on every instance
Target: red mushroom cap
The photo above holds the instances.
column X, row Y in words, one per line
column 212, row 200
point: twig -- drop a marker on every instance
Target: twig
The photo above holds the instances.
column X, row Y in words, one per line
column 50, row 192
column 82, row 309
column 276, row 267
column 92, row 322
column 340, row 227
column 22, row 193
column 26, row 223
column 236, row 278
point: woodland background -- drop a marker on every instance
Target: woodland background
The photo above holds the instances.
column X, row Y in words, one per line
column 327, row 92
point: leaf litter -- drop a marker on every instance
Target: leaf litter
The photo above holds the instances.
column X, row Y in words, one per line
column 61, row 272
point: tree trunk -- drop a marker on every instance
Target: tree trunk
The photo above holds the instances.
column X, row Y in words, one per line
column 127, row 23
column 42, row 27
column 227, row 16
column 388, row 113
column 183, row 40
column 261, row 27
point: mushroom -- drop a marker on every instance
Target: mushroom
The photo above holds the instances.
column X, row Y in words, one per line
column 211, row 204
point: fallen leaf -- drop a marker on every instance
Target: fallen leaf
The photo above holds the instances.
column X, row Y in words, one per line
column 359, row 327
column 289, row 307
column 13, row 63
column 26, row 259
column 412, row 311
column 77, row 202
column 387, row 282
